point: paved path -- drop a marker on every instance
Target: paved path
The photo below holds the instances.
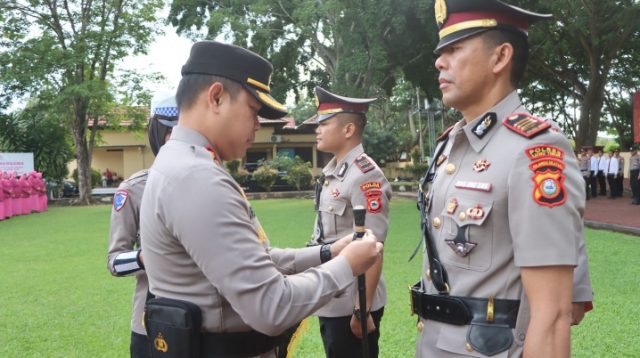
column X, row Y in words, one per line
column 613, row 214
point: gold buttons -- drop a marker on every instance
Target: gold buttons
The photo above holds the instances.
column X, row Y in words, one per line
column 468, row 347
column 437, row 223
column 462, row 216
column 331, row 209
column 326, row 183
column 450, row 168
column 420, row 326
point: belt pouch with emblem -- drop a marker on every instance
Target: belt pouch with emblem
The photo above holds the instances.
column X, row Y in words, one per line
column 489, row 338
column 173, row 328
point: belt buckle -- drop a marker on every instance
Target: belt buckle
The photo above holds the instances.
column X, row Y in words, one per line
column 490, row 309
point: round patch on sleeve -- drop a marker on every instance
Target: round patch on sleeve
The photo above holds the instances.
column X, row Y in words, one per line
column 120, row 199
column 374, row 201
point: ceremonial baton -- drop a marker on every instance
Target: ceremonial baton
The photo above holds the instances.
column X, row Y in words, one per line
column 358, row 220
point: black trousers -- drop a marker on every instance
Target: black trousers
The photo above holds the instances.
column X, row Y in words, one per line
column 340, row 342
column 594, row 184
column 587, row 182
column 602, row 181
column 635, row 185
column 139, row 346
column 619, row 185
column 613, row 185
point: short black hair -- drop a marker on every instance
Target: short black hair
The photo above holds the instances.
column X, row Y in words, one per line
column 191, row 85
column 359, row 120
column 520, row 45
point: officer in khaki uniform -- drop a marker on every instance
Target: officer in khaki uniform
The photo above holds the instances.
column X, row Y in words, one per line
column 503, row 203
column 634, row 175
column 350, row 179
column 124, row 254
column 203, row 242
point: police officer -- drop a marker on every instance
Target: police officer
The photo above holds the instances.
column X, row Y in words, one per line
column 583, row 163
column 593, row 175
column 503, row 202
column 634, row 175
column 124, row 257
column 350, row 179
column 202, row 241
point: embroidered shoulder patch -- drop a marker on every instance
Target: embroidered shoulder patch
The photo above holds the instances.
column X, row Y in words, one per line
column 364, row 163
column 548, row 179
column 119, row 199
column 525, row 124
column 371, row 185
column 374, row 201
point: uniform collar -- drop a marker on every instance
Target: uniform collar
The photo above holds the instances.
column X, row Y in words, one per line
column 340, row 169
column 188, row 135
column 511, row 103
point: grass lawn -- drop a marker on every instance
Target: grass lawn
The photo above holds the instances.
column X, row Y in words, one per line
column 57, row 298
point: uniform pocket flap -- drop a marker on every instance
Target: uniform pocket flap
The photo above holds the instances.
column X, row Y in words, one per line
column 334, row 207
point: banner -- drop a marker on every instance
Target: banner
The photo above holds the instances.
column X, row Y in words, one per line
column 20, row 162
column 636, row 117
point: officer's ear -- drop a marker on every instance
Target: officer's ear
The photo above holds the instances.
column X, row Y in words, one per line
column 215, row 93
column 349, row 129
column 501, row 57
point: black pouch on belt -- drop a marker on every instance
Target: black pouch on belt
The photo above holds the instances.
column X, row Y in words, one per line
column 489, row 339
column 173, row 327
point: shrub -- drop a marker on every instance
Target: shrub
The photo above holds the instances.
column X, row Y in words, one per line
column 417, row 170
column 239, row 174
column 299, row 175
column 95, row 177
column 265, row 176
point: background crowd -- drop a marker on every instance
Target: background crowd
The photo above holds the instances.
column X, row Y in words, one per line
column 21, row 194
column 603, row 173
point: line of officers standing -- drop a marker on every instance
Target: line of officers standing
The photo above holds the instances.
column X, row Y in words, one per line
column 505, row 268
column 600, row 170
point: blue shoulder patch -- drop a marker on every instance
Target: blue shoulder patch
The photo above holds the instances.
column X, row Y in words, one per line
column 119, row 199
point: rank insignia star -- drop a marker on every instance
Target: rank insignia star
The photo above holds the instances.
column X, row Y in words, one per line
column 481, row 165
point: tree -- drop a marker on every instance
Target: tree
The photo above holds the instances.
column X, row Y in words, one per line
column 576, row 52
column 33, row 132
column 62, row 54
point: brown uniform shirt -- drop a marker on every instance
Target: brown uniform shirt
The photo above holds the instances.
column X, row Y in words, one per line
column 356, row 180
column 492, row 186
column 203, row 243
column 124, row 238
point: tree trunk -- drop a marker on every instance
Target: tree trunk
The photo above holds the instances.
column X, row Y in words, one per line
column 590, row 111
column 83, row 157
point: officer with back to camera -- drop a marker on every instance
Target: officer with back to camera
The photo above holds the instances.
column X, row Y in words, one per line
column 124, row 257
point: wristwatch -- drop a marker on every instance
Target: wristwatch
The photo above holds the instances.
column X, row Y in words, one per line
column 356, row 312
column 325, row 253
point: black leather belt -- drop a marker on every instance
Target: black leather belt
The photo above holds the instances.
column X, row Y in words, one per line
column 237, row 344
column 464, row 310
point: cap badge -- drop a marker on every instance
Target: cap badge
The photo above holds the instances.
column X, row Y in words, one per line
column 441, row 11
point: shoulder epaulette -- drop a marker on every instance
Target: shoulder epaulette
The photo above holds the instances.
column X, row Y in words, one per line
column 445, row 133
column 364, row 163
column 525, row 124
column 137, row 176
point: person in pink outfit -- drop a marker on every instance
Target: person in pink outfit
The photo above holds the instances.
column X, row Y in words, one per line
column 25, row 193
column 7, row 188
column 34, row 202
column 42, row 192
column 16, row 204
column 2, row 213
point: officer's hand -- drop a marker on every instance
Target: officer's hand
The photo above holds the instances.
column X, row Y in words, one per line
column 578, row 313
column 357, row 329
column 337, row 246
column 362, row 254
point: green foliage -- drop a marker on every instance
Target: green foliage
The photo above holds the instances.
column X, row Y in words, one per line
column 299, row 174
column 63, row 57
column 417, row 169
column 96, row 177
column 35, row 302
column 237, row 172
column 33, row 131
column 265, row 176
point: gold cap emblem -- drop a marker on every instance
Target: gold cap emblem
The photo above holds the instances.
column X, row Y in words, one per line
column 441, row 11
